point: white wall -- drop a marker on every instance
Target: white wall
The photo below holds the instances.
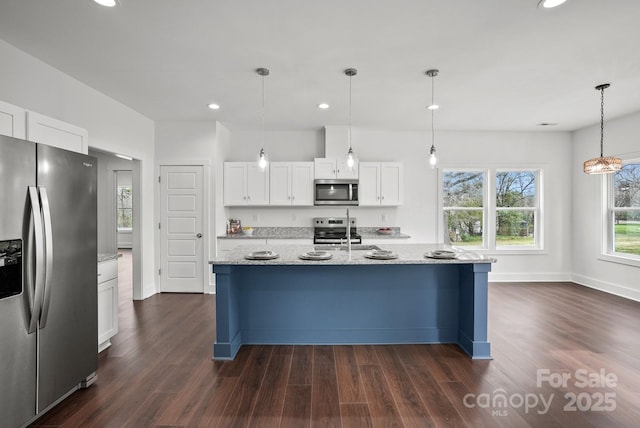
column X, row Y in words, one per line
column 30, row 83
column 194, row 143
column 419, row 213
column 620, row 139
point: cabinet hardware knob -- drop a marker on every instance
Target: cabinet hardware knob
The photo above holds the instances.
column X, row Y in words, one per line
column 199, row 235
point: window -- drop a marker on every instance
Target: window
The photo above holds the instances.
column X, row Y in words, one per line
column 123, row 207
column 495, row 209
column 624, row 211
column 516, row 206
column 463, row 202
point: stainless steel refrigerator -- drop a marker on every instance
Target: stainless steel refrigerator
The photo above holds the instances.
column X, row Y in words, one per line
column 48, row 277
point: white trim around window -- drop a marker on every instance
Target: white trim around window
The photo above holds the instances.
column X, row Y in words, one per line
column 608, row 210
column 490, row 211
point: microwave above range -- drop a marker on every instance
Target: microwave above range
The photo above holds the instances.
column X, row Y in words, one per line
column 341, row 191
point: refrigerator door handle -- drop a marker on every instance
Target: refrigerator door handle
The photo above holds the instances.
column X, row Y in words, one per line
column 36, row 288
column 48, row 254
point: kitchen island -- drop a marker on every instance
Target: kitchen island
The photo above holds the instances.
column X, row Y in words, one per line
column 351, row 299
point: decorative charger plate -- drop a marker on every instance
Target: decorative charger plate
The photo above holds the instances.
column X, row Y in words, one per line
column 381, row 255
column 441, row 254
column 316, row 255
column 262, row 255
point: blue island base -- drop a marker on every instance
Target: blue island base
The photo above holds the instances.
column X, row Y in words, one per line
column 351, row 304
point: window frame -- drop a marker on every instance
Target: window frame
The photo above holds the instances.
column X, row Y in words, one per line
column 490, row 210
column 483, row 208
column 608, row 252
column 536, row 209
column 119, row 208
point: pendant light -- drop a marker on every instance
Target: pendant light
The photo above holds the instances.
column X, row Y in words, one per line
column 262, row 156
column 433, row 159
column 549, row 4
column 351, row 156
column 602, row 165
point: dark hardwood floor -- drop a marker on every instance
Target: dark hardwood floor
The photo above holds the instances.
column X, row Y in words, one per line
column 159, row 372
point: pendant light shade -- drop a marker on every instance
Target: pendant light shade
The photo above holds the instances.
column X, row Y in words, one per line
column 262, row 156
column 433, row 159
column 602, row 164
column 351, row 156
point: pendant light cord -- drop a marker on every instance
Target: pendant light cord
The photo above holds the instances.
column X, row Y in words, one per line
column 601, row 121
column 263, row 131
column 350, row 78
column 432, row 113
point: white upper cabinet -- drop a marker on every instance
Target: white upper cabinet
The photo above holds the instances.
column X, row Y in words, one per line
column 53, row 132
column 334, row 168
column 380, row 184
column 245, row 184
column 291, row 183
column 12, row 121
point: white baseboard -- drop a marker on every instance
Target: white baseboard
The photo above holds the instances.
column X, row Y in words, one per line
column 530, row 277
column 607, row 287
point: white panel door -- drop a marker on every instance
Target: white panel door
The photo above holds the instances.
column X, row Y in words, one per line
column 181, row 229
column 12, row 120
column 53, row 132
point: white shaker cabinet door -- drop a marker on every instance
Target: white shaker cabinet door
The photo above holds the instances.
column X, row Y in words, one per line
column 53, row 132
column 234, row 182
column 391, row 183
column 107, row 302
column 12, row 120
column 302, row 174
column 257, row 185
column 280, row 183
column 369, row 184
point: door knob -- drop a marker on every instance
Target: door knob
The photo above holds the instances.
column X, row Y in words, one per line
column 199, row 235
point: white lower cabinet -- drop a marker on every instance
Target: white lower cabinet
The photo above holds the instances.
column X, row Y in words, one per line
column 107, row 302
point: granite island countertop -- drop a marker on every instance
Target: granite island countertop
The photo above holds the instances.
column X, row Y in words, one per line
column 407, row 254
column 307, row 233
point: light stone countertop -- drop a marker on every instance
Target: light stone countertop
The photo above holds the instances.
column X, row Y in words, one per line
column 102, row 257
column 407, row 254
column 307, row 233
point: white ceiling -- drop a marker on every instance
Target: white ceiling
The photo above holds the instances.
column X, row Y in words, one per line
column 504, row 64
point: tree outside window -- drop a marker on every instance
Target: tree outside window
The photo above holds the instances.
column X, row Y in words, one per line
column 496, row 215
column 516, row 205
column 625, row 212
column 463, row 202
column 123, row 207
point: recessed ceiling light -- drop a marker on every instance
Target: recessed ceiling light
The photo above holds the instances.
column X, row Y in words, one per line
column 323, row 106
column 433, row 107
column 547, row 124
column 107, row 3
column 213, row 106
column 548, row 4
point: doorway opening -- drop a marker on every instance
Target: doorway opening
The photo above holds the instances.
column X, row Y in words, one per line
column 118, row 220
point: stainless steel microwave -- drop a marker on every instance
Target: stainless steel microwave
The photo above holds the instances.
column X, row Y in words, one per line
column 335, row 192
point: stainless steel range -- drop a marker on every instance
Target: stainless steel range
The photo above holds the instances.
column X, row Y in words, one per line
column 333, row 230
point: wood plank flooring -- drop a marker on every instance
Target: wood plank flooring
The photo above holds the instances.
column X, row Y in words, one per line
column 159, row 372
